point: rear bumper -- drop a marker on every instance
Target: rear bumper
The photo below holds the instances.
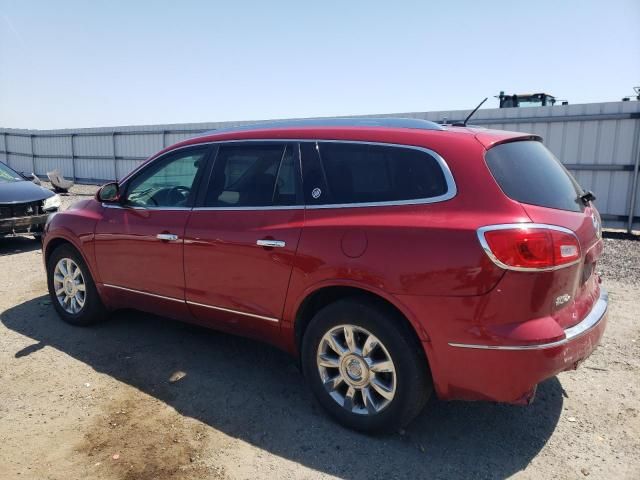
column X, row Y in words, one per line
column 33, row 223
column 591, row 321
column 510, row 372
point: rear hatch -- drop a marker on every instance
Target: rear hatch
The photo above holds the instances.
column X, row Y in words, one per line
column 528, row 173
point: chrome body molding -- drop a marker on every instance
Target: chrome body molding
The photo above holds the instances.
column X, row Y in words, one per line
column 507, row 226
column 229, row 310
column 589, row 322
column 117, row 287
column 188, row 302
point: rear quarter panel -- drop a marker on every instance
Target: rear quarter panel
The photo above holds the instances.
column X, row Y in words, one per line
column 426, row 250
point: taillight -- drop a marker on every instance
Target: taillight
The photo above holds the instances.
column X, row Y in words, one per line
column 530, row 246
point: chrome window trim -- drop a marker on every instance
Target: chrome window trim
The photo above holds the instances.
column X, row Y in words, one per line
column 189, row 302
column 271, row 207
column 589, row 322
column 222, row 309
column 131, row 207
column 451, row 192
column 507, row 226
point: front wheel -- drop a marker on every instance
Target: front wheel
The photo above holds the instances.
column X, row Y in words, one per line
column 71, row 288
column 364, row 367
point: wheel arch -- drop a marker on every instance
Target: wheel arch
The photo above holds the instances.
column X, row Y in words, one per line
column 326, row 294
column 60, row 240
column 53, row 245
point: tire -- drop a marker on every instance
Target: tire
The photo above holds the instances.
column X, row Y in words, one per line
column 92, row 309
column 379, row 401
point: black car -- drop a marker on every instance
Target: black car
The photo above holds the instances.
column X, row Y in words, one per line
column 24, row 206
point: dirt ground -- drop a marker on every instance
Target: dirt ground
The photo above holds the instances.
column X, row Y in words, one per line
column 141, row 397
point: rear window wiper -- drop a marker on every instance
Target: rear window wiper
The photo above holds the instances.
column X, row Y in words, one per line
column 587, row 197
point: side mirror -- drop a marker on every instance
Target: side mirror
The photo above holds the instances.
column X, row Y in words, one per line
column 109, row 193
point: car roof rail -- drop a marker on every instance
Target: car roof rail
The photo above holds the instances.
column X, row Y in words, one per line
column 388, row 122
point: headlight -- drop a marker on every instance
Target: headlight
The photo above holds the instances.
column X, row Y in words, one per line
column 52, row 203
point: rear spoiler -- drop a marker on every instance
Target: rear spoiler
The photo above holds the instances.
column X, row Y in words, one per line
column 491, row 138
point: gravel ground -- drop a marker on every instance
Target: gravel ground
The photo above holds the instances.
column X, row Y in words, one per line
column 141, row 397
column 620, row 260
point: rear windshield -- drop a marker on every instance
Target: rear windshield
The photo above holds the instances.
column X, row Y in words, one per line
column 529, row 173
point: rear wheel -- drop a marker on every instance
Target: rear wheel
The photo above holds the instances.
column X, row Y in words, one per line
column 71, row 288
column 364, row 367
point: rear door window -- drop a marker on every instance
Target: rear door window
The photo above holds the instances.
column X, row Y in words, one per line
column 529, row 173
column 356, row 173
column 254, row 175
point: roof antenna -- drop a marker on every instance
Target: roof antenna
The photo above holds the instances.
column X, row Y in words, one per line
column 464, row 124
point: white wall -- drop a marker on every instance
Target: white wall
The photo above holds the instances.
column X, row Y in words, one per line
column 598, row 143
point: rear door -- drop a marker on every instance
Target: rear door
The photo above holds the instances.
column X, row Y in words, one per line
column 241, row 240
column 530, row 174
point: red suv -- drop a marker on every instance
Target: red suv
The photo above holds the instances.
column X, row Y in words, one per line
column 393, row 257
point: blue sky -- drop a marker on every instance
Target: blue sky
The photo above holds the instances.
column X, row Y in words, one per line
column 100, row 63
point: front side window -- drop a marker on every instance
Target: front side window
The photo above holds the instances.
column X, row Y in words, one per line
column 167, row 182
column 259, row 175
column 352, row 173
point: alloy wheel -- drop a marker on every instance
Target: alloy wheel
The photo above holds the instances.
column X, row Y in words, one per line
column 69, row 286
column 356, row 369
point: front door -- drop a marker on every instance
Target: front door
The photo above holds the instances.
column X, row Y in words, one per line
column 240, row 243
column 139, row 242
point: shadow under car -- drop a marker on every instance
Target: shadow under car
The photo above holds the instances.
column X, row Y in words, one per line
column 254, row 392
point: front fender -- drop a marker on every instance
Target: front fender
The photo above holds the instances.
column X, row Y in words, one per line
column 75, row 226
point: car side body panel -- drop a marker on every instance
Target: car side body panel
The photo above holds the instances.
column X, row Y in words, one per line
column 479, row 324
column 232, row 283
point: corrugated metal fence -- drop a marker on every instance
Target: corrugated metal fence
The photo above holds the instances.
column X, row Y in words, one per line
column 598, row 143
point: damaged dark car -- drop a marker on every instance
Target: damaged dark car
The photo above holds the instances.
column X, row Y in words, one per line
column 24, row 206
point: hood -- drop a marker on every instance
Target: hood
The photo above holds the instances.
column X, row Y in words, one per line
column 22, row 192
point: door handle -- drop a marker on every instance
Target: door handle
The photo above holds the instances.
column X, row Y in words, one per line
column 167, row 237
column 271, row 243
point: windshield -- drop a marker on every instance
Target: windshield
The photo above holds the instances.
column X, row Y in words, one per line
column 7, row 175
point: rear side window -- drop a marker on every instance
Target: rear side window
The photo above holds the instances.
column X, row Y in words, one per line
column 365, row 173
column 529, row 173
column 246, row 175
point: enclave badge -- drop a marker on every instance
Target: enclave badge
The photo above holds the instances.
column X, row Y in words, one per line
column 562, row 299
